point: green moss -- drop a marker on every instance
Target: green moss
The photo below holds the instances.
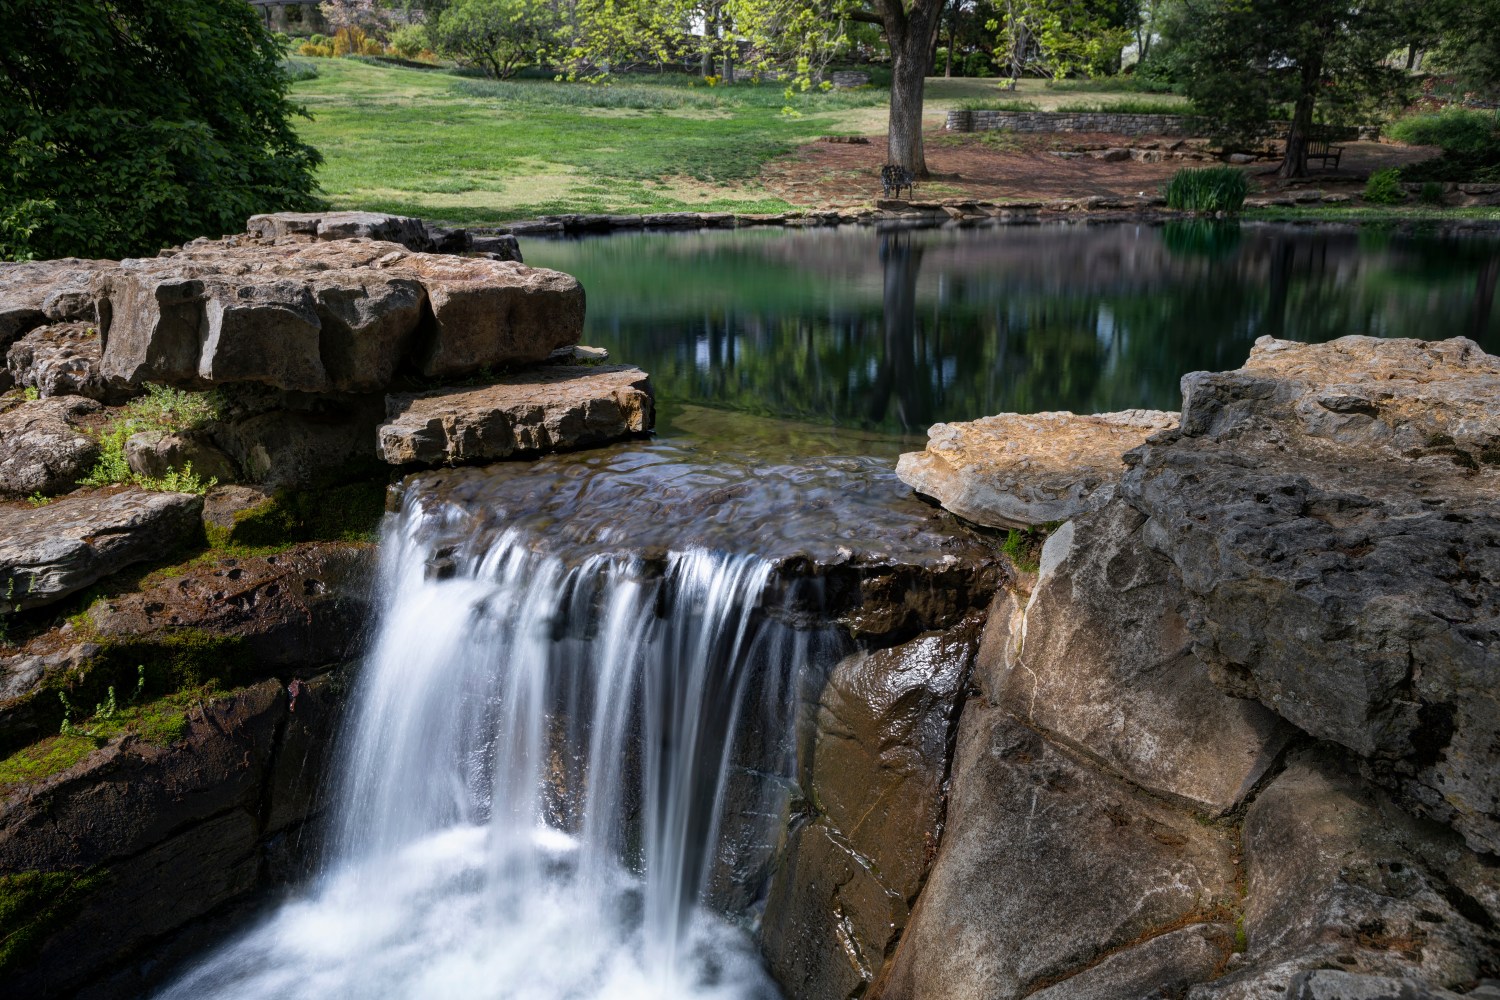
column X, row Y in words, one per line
column 35, row 903
column 1024, row 548
column 42, row 760
column 347, row 513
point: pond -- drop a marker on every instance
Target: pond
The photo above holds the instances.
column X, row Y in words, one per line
column 892, row 331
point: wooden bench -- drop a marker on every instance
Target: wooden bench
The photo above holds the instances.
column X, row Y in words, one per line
column 1322, row 149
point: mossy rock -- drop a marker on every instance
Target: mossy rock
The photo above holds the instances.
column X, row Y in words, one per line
column 347, row 513
column 35, row 903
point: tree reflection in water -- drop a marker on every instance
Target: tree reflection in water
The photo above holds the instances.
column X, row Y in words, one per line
column 892, row 331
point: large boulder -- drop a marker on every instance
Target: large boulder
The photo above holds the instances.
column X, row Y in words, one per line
column 43, row 447
column 1333, row 514
column 51, row 551
column 62, row 359
column 1339, row 877
column 1107, row 667
column 873, row 782
column 45, row 291
column 555, row 408
column 340, row 316
column 409, row 232
column 1018, row 470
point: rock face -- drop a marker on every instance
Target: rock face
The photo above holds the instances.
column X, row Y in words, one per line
column 154, row 453
column 42, row 447
column 544, row 409
column 193, row 825
column 342, row 316
column 1333, row 512
column 62, row 359
column 862, row 842
column 48, row 291
column 1019, row 470
column 1107, row 667
column 49, row 552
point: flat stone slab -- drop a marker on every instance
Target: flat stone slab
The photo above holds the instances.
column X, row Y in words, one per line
column 553, row 408
column 45, row 291
column 42, row 450
column 339, row 316
column 1017, row 470
column 49, row 552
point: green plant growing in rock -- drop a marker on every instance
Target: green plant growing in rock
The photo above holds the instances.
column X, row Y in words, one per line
column 1384, row 187
column 1209, row 190
column 33, row 903
column 31, row 394
column 161, row 409
column 1432, row 193
column 1023, row 546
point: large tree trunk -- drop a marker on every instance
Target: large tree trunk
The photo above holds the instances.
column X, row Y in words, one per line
column 911, row 35
column 1294, row 163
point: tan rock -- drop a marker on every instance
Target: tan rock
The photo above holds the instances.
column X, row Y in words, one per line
column 553, row 408
column 1017, row 470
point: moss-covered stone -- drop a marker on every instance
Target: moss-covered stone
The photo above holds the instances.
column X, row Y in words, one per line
column 34, row 903
column 347, row 513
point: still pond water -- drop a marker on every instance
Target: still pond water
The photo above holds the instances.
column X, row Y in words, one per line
column 889, row 332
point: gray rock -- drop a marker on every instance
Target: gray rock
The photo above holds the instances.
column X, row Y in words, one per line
column 1017, row 470
column 43, row 448
column 1333, row 984
column 1045, row 867
column 336, row 316
column 874, row 778
column 1331, row 511
column 410, row 233
column 500, row 247
column 49, row 552
column 62, row 359
column 1339, row 876
column 45, row 291
column 541, row 410
column 301, row 440
column 1158, row 969
column 1107, row 667
column 155, row 453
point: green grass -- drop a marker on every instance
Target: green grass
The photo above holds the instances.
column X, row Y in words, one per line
column 1371, row 213
column 441, row 146
column 1130, row 106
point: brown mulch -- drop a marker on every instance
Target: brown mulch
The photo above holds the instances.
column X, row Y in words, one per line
column 1003, row 167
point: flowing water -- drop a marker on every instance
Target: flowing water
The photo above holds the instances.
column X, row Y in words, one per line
column 569, row 755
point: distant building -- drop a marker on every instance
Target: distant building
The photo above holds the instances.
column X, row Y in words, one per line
column 292, row 17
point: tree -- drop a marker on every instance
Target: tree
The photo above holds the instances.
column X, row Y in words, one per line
column 498, row 36
column 130, row 125
column 911, row 28
column 1057, row 38
column 1241, row 61
column 1469, row 41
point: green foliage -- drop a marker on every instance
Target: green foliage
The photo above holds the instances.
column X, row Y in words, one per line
column 1208, row 189
column 1132, row 84
column 349, row 513
column 1024, row 548
column 1384, row 187
column 1456, row 130
column 31, row 394
column 1432, row 193
column 298, row 70
column 1129, row 106
column 161, row 409
column 1000, row 105
column 410, row 40
column 1057, row 38
column 499, row 36
column 35, row 903
column 126, row 127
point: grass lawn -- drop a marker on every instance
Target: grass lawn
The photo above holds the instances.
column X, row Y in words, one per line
column 440, row 146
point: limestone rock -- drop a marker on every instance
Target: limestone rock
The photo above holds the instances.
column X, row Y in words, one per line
column 1333, row 512
column 297, row 439
column 339, row 316
column 45, row 291
column 49, row 552
column 1153, row 970
column 154, row 453
column 62, row 359
column 1107, row 667
column 42, row 447
column 540, row 410
column 410, row 233
column 876, row 775
column 1018, row 470
column 499, row 247
column 1333, row 984
column 1045, row 867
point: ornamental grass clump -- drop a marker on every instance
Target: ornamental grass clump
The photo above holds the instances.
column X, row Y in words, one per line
column 1209, row 190
column 1384, row 187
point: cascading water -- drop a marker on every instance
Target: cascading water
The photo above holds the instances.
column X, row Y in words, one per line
column 533, row 775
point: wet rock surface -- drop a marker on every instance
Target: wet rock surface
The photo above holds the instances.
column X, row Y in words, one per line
column 49, row 552
column 1019, row 470
column 862, row 843
column 553, row 408
column 43, row 447
column 1333, row 512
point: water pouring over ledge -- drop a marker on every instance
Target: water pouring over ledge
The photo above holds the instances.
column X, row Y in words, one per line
column 539, row 794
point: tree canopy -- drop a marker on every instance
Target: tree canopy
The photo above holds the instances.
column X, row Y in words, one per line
column 129, row 125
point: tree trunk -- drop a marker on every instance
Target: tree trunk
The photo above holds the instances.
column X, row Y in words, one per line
column 1294, row 163
column 952, row 39
column 911, row 35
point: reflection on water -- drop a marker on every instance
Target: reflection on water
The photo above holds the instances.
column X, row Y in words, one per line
column 893, row 331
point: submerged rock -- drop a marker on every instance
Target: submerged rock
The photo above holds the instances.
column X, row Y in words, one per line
column 554, row 408
column 43, row 448
column 1020, row 470
column 1333, row 514
column 49, row 552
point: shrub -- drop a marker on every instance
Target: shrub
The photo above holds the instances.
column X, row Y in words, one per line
column 1470, row 141
column 1384, row 187
column 350, row 42
column 1129, row 106
column 128, row 127
column 1000, row 105
column 409, row 41
column 1432, row 193
column 297, row 70
column 315, row 50
column 498, row 36
column 1210, row 189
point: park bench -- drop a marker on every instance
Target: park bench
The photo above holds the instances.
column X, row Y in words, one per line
column 1322, row 149
column 894, row 177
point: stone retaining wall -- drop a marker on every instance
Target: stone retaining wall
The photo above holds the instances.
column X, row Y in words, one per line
column 1113, row 123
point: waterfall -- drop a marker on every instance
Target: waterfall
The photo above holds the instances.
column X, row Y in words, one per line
column 536, row 763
